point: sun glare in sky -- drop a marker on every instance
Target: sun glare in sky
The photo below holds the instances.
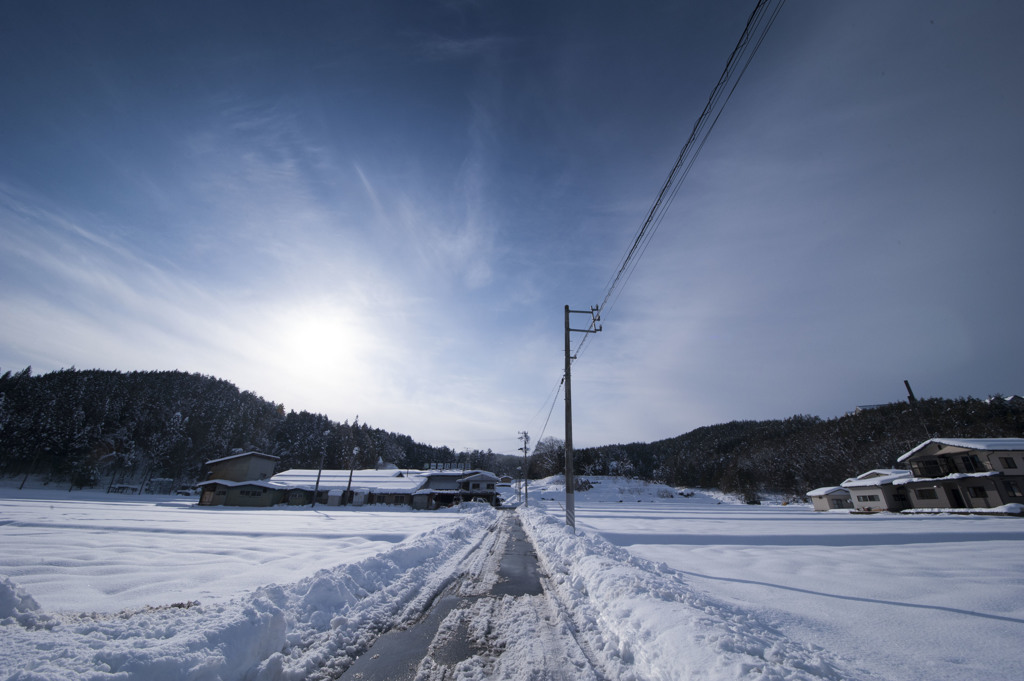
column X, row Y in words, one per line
column 382, row 208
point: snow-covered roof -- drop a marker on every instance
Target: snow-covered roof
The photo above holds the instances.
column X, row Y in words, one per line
column 825, row 491
column 471, row 474
column 239, row 456
column 951, row 476
column 478, row 476
column 269, row 484
column 389, row 480
column 989, row 444
column 876, row 477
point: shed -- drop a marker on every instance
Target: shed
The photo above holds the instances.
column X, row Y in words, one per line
column 830, row 498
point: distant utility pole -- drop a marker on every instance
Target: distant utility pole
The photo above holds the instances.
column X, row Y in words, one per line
column 570, row 480
column 525, row 437
column 323, row 453
column 351, row 469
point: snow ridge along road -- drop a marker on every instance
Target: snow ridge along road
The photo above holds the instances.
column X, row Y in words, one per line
column 309, row 629
column 494, row 623
column 642, row 621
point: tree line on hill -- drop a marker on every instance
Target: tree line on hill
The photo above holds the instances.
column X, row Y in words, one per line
column 85, row 428
column 794, row 455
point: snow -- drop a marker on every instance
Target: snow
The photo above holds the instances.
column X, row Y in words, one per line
column 890, row 596
column 991, row 444
column 380, row 575
column 823, row 491
column 89, row 551
column 877, row 478
column 387, row 480
column 241, row 455
column 653, row 585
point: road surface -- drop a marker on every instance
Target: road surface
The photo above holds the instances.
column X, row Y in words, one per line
column 496, row 621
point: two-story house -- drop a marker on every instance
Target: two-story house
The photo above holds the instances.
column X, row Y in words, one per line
column 965, row 473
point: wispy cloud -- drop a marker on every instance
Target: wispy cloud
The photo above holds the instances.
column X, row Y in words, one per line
column 447, row 47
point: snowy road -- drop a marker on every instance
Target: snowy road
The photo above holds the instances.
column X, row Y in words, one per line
column 496, row 622
column 550, row 604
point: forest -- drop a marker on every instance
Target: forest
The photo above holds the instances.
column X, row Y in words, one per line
column 86, row 428
column 794, row 455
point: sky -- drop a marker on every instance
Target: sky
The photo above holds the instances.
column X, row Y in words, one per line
column 380, row 209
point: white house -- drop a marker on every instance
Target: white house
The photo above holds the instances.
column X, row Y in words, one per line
column 876, row 490
column 965, row 473
column 830, row 498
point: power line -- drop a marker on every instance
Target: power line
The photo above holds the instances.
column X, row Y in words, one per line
column 758, row 24
column 760, row 21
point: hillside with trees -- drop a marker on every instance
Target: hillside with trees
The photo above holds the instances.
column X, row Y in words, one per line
column 793, row 455
column 85, row 428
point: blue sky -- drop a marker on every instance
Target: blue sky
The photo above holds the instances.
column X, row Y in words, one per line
column 381, row 208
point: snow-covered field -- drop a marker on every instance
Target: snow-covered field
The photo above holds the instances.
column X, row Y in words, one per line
column 106, row 552
column 896, row 597
column 658, row 586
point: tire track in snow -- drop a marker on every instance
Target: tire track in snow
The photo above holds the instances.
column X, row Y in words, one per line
column 496, row 622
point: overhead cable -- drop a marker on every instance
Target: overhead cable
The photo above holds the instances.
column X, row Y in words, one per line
column 760, row 21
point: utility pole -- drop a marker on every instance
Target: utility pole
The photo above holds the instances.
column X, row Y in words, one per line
column 525, row 437
column 351, row 468
column 570, row 480
column 323, row 453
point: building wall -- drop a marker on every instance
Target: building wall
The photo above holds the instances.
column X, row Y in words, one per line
column 868, row 499
column 820, row 503
column 251, row 495
column 243, row 468
column 213, row 495
column 941, row 499
column 831, row 502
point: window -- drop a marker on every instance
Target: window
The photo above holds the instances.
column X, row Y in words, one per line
column 867, row 497
column 930, row 468
column 1008, row 462
column 971, row 463
column 977, row 492
column 476, row 485
column 1012, row 489
column 926, row 494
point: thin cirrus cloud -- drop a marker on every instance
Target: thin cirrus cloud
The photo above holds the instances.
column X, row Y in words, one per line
column 386, row 217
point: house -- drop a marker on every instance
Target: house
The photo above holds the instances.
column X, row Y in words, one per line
column 240, row 480
column 830, row 498
column 241, row 466
column 877, row 490
column 240, row 493
column 965, row 473
column 447, row 488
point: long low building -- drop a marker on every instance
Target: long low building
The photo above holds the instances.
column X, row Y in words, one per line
column 399, row 487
